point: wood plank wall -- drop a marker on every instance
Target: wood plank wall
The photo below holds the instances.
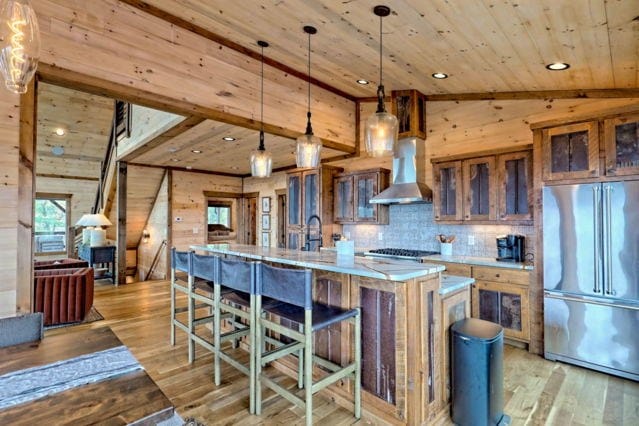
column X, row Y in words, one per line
column 148, row 124
column 157, row 227
column 267, row 188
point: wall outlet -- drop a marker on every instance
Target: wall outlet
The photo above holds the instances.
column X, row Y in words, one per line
column 347, row 235
column 380, row 236
column 471, row 240
column 196, row 229
column 178, row 219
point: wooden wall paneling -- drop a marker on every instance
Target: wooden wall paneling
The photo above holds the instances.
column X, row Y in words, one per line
column 143, row 184
column 169, row 222
column 536, row 285
column 121, row 253
column 269, row 187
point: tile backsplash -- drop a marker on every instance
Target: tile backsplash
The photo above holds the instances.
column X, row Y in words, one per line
column 412, row 226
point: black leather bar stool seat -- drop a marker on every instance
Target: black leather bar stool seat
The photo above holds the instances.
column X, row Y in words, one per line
column 323, row 315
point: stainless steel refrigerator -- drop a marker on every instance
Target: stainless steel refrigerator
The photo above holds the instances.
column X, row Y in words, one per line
column 591, row 276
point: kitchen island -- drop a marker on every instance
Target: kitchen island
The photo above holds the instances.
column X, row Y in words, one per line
column 405, row 317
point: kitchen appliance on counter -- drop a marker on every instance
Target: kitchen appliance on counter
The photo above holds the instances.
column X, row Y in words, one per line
column 591, row 275
column 399, row 253
column 511, row 248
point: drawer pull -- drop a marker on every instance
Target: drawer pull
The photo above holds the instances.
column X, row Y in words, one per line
column 496, row 275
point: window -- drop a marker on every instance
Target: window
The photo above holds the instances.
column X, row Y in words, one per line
column 51, row 224
column 219, row 214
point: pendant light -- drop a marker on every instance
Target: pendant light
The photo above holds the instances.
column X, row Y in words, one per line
column 261, row 159
column 309, row 147
column 20, row 44
column 381, row 127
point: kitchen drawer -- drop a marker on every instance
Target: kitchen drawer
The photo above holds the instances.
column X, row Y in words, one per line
column 501, row 275
column 459, row 269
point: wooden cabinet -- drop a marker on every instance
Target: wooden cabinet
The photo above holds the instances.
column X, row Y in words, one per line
column 621, row 136
column 571, row 151
column 309, row 192
column 496, row 187
column 447, row 191
column 353, row 192
column 455, row 307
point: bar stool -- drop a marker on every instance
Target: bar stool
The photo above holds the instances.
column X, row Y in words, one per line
column 181, row 281
column 203, row 271
column 293, row 288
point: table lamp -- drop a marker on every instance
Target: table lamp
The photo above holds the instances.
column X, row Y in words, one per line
column 98, row 233
column 86, row 232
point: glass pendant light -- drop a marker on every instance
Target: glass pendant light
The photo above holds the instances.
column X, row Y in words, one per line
column 261, row 159
column 20, row 44
column 381, row 127
column 309, row 147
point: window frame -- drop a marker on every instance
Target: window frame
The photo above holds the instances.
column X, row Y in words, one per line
column 53, row 196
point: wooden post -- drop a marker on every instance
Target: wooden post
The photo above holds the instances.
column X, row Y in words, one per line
column 121, row 231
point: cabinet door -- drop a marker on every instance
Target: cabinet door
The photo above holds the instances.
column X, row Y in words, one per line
column 479, row 188
column 343, row 201
column 294, row 238
column 310, row 195
column 366, row 187
column 447, row 197
column 504, row 304
column 294, row 195
column 571, row 152
column 622, row 145
column 515, row 186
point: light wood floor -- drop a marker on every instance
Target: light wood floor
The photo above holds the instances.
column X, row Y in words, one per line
column 536, row 391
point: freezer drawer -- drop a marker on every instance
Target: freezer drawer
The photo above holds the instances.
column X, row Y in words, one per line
column 592, row 333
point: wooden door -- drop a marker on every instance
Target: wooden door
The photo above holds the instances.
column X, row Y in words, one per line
column 621, row 139
column 281, row 220
column 570, row 152
column 343, row 201
column 479, row 183
column 515, row 186
column 447, row 191
column 366, row 187
column 250, row 220
column 294, row 199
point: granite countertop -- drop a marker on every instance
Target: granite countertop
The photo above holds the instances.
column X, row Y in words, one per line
column 326, row 260
column 453, row 283
column 480, row 261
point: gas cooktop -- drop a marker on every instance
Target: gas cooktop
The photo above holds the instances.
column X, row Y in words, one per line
column 400, row 253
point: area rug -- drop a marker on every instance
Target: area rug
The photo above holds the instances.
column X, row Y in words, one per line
column 92, row 316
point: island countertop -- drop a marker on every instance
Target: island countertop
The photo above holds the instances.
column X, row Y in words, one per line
column 383, row 269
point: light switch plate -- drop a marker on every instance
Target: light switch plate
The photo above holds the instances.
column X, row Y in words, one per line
column 471, row 240
column 380, row 236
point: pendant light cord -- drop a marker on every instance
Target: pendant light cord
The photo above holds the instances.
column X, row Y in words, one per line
column 309, row 128
column 261, row 147
column 380, row 89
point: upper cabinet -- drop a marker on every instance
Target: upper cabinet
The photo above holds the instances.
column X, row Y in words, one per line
column 622, row 145
column 491, row 187
column 571, row 152
column 353, row 192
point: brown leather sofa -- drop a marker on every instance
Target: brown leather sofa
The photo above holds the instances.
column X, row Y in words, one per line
column 59, row 264
column 63, row 295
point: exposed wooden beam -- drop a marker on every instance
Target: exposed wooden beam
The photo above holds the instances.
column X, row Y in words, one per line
column 598, row 115
column 121, row 224
column 42, row 153
column 186, row 124
column 539, row 94
column 190, row 26
column 184, row 169
column 53, row 74
column 56, row 176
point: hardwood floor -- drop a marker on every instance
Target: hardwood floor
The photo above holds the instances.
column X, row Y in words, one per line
column 537, row 391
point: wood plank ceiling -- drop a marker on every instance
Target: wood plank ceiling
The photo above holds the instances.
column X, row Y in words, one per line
column 86, row 120
column 484, row 45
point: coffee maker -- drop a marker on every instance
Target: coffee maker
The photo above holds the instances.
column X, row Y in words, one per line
column 511, row 248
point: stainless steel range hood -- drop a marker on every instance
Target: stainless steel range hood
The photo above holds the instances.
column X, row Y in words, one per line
column 405, row 187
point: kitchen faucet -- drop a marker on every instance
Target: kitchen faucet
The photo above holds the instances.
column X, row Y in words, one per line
column 307, row 245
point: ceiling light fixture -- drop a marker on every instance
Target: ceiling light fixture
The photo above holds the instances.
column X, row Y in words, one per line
column 20, row 46
column 228, row 138
column 261, row 159
column 196, row 151
column 362, row 81
column 57, row 150
column 558, row 66
column 309, row 146
column 60, row 131
column 381, row 127
column 439, row 75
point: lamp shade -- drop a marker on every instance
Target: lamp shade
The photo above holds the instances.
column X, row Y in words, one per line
column 261, row 163
column 97, row 219
column 20, row 44
column 381, row 134
column 308, row 152
column 82, row 220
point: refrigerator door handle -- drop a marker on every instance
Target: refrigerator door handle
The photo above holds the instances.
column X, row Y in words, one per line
column 581, row 299
column 608, row 239
column 595, row 223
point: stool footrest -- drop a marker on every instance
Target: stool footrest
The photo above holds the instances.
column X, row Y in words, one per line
column 235, row 363
column 281, row 351
column 203, row 320
column 326, row 363
column 332, row 378
column 283, row 391
column 203, row 342
column 235, row 334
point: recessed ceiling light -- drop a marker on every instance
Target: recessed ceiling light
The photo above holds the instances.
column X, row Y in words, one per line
column 175, row 160
column 60, row 131
column 362, row 81
column 228, row 138
column 558, row 66
column 196, row 151
column 234, row 168
column 57, row 150
column 439, row 75
column 189, row 167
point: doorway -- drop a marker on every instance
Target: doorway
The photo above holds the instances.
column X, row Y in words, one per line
column 281, row 218
column 250, row 219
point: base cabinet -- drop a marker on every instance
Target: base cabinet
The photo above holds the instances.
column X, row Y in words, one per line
column 504, row 304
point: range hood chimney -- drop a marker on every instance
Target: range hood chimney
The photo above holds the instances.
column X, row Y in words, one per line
column 408, row 158
column 405, row 187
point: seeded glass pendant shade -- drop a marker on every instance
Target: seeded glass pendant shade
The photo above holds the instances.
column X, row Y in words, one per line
column 381, row 127
column 309, row 147
column 261, row 159
column 20, row 44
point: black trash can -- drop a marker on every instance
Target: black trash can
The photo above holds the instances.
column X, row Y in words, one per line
column 477, row 375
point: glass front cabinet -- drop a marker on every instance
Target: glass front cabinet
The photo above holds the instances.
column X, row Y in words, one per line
column 353, row 193
column 622, row 145
column 571, row 151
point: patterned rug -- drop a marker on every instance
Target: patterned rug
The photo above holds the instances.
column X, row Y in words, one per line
column 92, row 316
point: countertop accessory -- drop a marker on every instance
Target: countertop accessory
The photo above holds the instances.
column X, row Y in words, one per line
column 261, row 159
column 309, row 146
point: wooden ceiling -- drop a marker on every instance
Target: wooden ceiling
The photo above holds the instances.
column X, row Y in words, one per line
column 219, row 155
column 484, row 45
column 85, row 118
